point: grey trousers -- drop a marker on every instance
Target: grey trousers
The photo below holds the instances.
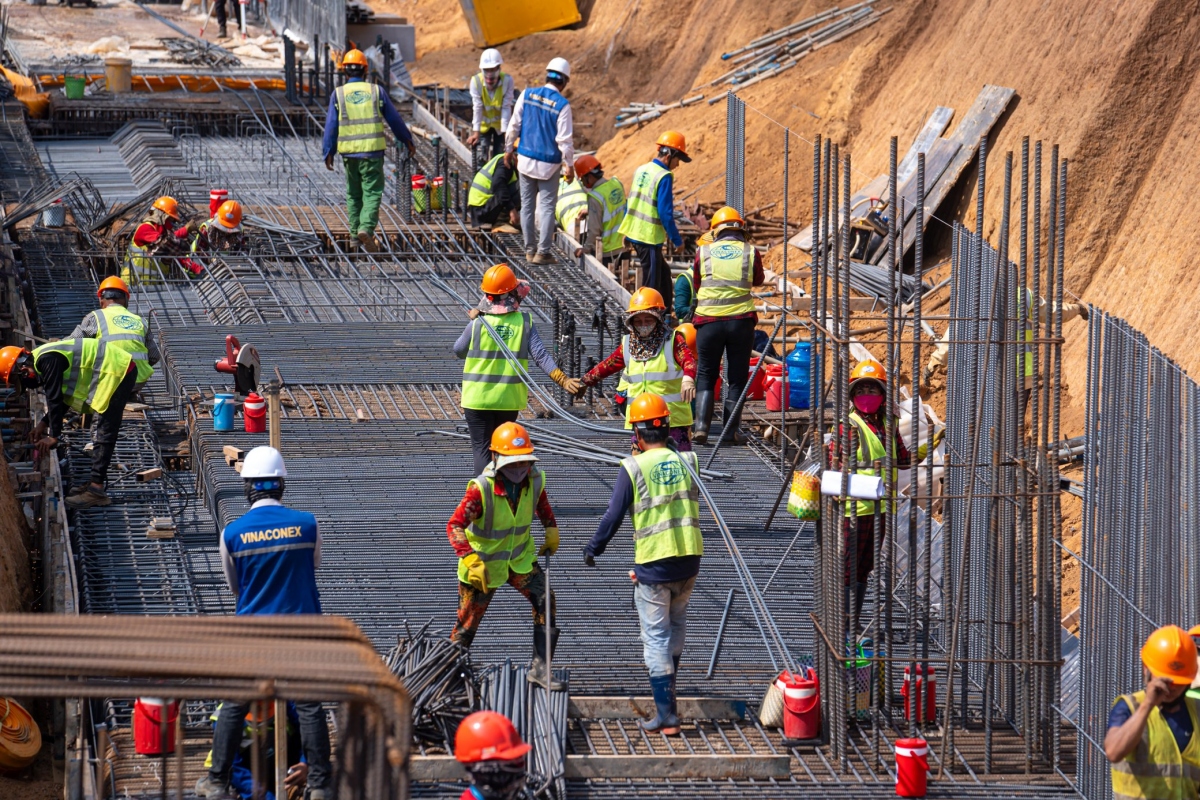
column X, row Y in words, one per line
column 539, row 195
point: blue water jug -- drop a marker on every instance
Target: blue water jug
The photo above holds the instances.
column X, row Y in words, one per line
column 223, row 412
column 800, row 371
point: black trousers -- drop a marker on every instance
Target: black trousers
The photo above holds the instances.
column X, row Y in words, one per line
column 108, row 427
column 491, row 144
column 314, row 738
column 733, row 338
column 656, row 272
column 482, row 424
column 220, row 12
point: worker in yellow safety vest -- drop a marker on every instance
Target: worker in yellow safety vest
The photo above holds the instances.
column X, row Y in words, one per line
column 570, row 204
column 87, row 376
column 495, row 195
column 493, row 389
column 605, row 210
column 158, row 241
column 1153, row 738
column 650, row 211
column 492, row 98
column 221, row 234
column 658, row 490
column 489, row 532
column 354, row 129
column 115, row 324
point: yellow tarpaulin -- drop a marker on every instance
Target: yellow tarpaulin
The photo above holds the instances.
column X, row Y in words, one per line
column 36, row 102
column 493, row 22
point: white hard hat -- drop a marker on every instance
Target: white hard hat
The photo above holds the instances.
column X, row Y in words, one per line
column 490, row 59
column 263, row 462
column 560, row 66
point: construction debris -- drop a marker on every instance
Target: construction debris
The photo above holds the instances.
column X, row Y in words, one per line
column 191, row 51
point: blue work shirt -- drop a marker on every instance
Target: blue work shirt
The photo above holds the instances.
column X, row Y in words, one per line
column 270, row 555
column 390, row 115
column 665, row 202
column 1178, row 720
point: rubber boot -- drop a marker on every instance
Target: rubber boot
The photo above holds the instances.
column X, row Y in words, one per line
column 664, row 720
column 734, row 423
column 537, row 668
column 222, row 33
column 704, row 415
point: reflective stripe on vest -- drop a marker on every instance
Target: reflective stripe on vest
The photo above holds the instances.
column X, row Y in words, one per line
column 875, row 452
column 481, row 184
column 1029, row 328
column 726, row 275
column 85, row 387
column 493, row 104
column 659, row 375
column 500, row 536
column 1156, row 769
column 572, row 201
column 140, row 267
column 666, row 505
column 641, row 221
column 127, row 331
column 490, row 382
column 360, row 120
column 611, row 195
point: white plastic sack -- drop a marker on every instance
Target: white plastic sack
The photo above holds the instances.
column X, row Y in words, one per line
column 862, row 487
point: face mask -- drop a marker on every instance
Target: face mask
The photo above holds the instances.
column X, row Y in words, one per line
column 516, row 472
column 868, row 403
column 644, row 329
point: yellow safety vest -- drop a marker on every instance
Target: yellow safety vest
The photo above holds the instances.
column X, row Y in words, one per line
column 490, row 381
column 661, row 376
column 481, row 184
column 500, row 536
column 360, row 120
column 726, row 275
column 1156, row 770
column 493, row 102
column 666, row 505
column 875, row 452
column 611, row 195
column 572, row 201
column 126, row 331
column 140, row 267
column 86, row 388
column 1030, row 324
column 641, row 223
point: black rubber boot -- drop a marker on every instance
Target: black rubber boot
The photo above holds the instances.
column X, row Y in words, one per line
column 664, row 720
column 860, row 594
column 704, row 415
column 734, row 424
column 538, row 672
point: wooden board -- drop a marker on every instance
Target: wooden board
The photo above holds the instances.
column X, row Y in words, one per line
column 937, row 123
column 937, row 160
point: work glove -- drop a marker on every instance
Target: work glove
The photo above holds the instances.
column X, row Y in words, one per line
column 550, row 544
column 572, row 386
column 589, row 559
column 923, row 450
column 329, row 162
column 688, row 392
column 476, row 571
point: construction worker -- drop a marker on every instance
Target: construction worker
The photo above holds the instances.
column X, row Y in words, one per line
column 354, row 129
column 492, row 390
column 869, row 407
column 570, row 205
column 495, row 195
column 491, row 103
column 605, row 209
column 650, row 215
column 543, row 124
column 723, row 274
column 86, row 376
column 491, row 751
column 158, row 236
column 663, row 500
column 270, row 556
column 685, row 296
column 116, row 325
column 241, row 776
column 221, row 234
column 652, row 359
column 489, row 532
column 1152, row 741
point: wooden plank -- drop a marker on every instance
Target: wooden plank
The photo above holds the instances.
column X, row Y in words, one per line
column 677, row 767
column 723, row 708
column 937, row 123
column 937, row 160
column 877, row 187
column 431, row 769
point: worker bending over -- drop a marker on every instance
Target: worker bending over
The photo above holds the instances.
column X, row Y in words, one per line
column 723, row 274
column 270, row 556
column 117, row 326
column 489, row 532
column 491, row 751
column 491, row 104
column 159, row 235
column 1151, row 741
column 605, row 210
column 354, row 129
column 259, row 731
column 570, row 205
column 495, row 195
column 543, row 125
column 492, row 389
column 650, row 214
column 661, row 496
column 652, row 359
column 221, row 234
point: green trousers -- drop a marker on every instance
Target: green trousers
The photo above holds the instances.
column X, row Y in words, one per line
column 364, row 191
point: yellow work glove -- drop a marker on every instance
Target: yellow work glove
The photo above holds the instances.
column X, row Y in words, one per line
column 476, row 571
column 923, row 450
column 572, row 386
column 550, row 544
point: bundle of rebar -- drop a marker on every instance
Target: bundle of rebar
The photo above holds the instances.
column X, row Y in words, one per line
column 437, row 675
column 637, row 113
column 506, row 689
column 190, row 51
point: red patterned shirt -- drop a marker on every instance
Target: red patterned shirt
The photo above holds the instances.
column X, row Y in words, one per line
column 470, row 508
column 616, row 362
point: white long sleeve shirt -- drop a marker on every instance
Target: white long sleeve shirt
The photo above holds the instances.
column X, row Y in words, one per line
column 506, row 105
column 565, row 138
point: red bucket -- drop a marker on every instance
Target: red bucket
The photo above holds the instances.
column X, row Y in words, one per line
column 419, row 182
column 801, row 705
column 254, row 413
column 926, row 712
column 757, row 389
column 912, row 764
column 775, row 384
column 147, row 726
column 215, row 198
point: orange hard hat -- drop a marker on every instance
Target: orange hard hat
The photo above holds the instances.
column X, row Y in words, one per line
column 511, row 439
column 488, row 736
column 869, row 370
column 168, row 205
column 229, row 215
column 649, row 408
column 499, row 279
column 112, row 282
column 675, row 141
column 689, row 335
column 356, row 57
column 726, row 217
column 1170, row 653
column 586, row 164
column 268, row 712
column 8, row 359
column 646, row 299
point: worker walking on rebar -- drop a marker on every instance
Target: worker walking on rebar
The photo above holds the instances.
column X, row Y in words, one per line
column 493, row 391
column 239, row 12
column 87, row 376
column 650, row 214
column 657, row 491
column 221, row 234
column 652, row 359
column 1152, row 741
column 491, row 751
column 270, row 556
column 869, row 408
column 605, row 210
column 539, row 142
column 158, row 236
column 115, row 325
column 354, row 129
column 723, row 274
column 492, row 97
column 495, row 195
column 489, row 532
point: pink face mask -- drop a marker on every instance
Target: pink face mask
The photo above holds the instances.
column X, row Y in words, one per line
column 868, row 403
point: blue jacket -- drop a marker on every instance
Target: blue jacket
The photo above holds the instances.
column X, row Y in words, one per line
column 390, row 115
column 539, row 124
column 270, row 556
